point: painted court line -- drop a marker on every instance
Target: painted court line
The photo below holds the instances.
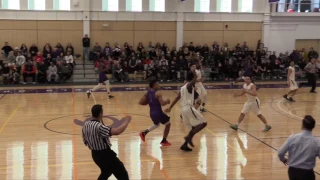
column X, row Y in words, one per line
column 9, row 118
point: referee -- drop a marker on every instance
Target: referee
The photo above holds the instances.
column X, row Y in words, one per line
column 302, row 148
column 96, row 136
column 311, row 69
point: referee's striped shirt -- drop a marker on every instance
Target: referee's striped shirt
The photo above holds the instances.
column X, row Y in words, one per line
column 96, row 135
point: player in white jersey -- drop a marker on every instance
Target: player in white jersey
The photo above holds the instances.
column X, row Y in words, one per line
column 252, row 104
column 293, row 86
column 200, row 88
column 191, row 117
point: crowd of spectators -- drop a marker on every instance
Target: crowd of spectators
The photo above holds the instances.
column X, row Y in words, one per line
column 226, row 63
column 52, row 65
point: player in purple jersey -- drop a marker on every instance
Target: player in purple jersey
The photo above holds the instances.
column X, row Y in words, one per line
column 103, row 80
column 154, row 99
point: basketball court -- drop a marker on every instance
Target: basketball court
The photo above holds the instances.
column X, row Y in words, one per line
column 40, row 134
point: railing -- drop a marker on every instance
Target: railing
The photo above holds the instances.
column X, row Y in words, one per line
column 302, row 7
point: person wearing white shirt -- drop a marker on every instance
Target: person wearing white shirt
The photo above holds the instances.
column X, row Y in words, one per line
column 52, row 72
column 69, row 59
column 20, row 60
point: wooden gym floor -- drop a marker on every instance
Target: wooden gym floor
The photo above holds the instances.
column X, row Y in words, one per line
column 39, row 138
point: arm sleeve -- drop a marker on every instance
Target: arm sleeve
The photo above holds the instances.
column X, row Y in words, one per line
column 105, row 131
column 283, row 150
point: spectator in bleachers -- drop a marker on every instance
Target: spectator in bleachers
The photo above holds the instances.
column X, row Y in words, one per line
column 132, row 64
column 107, row 50
column 69, row 60
column 125, row 71
column 20, row 60
column 33, row 50
column 164, row 49
column 140, row 47
column 60, row 48
column 149, row 46
column 55, row 53
column 60, row 59
column 304, row 55
column 191, row 48
column 24, row 50
column 42, row 73
column 29, row 58
column 64, row 71
column 6, row 49
column 273, row 57
column 295, row 56
column 11, row 59
column 163, row 60
column 5, row 73
column 14, row 76
column 52, row 73
column 16, row 51
column 86, row 47
column 244, row 46
column 38, row 58
column 173, row 70
column 116, row 50
column 29, row 70
column 48, row 60
column 147, row 61
column 157, row 46
column 139, row 69
column 215, row 46
column 312, row 54
column 164, row 70
column 152, row 53
column 70, row 49
column 47, row 49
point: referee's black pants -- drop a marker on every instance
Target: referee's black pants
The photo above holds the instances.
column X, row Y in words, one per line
column 109, row 164
column 300, row 174
column 312, row 81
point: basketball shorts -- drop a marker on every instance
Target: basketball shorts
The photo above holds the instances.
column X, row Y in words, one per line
column 200, row 89
column 159, row 117
column 293, row 85
column 191, row 117
column 253, row 106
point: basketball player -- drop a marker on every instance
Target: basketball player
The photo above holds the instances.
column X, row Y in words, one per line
column 291, row 82
column 191, row 117
column 248, row 71
column 200, row 88
column 154, row 98
column 103, row 80
column 252, row 104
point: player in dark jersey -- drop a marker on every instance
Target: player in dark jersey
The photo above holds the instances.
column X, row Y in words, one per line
column 154, row 99
column 103, row 80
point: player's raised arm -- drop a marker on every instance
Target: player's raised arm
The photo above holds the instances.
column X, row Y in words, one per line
column 240, row 93
column 160, row 99
column 173, row 103
column 143, row 100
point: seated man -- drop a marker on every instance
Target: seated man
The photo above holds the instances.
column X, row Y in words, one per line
column 52, row 73
column 5, row 73
column 42, row 73
column 139, row 69
column 29, row 70
column 64, row 71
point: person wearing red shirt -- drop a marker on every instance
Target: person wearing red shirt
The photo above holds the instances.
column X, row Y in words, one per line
column 29, row 70
column 146, row 63
column 38, row 58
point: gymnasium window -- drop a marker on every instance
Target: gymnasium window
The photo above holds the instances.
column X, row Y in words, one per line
column 134, row 5
column 110, row 5
column 245, row 6
column 157, row 5
column 224, row 5
column 37, row 4
column 11, row 4
column 202, row 6
column 63, row 5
